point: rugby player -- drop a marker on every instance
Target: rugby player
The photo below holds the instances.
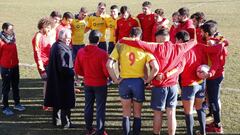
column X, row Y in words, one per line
column 160, row 22
column 111, row 24
column 64, row 23
column 214, row 79
column 131, row 81
column 125, row 23
column 41, row 44
column 97, row 21
column 78, row 26
column 164, row 92
column 146, row 19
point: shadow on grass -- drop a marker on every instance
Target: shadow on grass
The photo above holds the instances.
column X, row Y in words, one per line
column 35, row 121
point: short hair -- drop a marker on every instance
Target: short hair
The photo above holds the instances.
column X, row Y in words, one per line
column 44, row 22
column 94, row 36
column 159, row 11
column 146, row 3
column 6, row 25
column 184, row 11
column 64, row 33
column 135, row 32
column 162, row 32
column 56, row 14
column 182, row 35
column 123, row 9
column 175, row 13
column 68, row 15
column 114, row 7
column 199, row 16
column 210, row 28
column 102, row 4
column 83, row 9
column 212, row 21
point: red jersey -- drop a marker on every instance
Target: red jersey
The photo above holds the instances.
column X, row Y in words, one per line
column 167, row 55
column 41, row 50
column 199, row 35
column 147, row 22
column 187, row 26
column 172, row 33
column 156, row 27
column 91, row 64
column 124, row 27
column 8, row 55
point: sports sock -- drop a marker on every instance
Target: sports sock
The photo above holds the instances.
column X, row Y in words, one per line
column 136, row 126
column 202, row 121
column 126, row 125
column 189, row 123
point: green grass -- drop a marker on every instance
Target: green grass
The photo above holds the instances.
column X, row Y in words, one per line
column 34, row 121
column 24, row 14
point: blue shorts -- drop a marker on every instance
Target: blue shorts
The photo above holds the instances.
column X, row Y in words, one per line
column 195, row 91
column 163, row 97
column 132, row 88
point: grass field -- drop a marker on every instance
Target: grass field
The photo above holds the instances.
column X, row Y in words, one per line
column 34, row 121
column 24, row 14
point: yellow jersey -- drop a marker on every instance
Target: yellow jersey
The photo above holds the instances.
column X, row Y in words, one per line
column 98, row 23
column 112, row 25
column 132, row 60
column 78, row 28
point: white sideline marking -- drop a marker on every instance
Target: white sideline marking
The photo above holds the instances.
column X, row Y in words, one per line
column 27, row 65
column 231, row 89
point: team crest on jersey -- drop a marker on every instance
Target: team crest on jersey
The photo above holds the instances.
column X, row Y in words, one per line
column 94, row 24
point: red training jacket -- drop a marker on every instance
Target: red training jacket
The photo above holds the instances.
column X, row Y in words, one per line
column 8, row 55
column 91, row 64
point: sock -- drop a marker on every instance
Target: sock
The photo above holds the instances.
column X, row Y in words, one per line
column 137, row 126
column 202, row 120
column 126, row 125
column 189, row 123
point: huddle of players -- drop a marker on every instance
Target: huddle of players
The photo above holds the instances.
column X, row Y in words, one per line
column 173, row 51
